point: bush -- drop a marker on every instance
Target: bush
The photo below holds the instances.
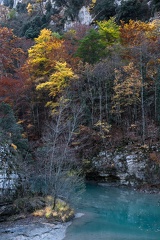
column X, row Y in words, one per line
column 61, row 212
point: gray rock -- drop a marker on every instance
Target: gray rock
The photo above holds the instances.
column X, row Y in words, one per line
column 127, row 167
column 34, row 231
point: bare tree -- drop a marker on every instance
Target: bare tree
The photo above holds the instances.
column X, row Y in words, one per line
column 57, row 169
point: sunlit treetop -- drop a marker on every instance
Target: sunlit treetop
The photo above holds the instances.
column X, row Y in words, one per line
column 135, row 31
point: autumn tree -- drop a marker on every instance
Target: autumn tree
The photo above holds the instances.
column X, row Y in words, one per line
column 13, row 55
column 47, row 62
column 57, row 81
column 153, row 68
column 133, row 32
column 49, row 68
column 48, row 49
column 127, row 89
column 10, row 52
column 137, row 37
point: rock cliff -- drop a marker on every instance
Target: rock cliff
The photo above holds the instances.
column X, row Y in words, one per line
column 130, row 167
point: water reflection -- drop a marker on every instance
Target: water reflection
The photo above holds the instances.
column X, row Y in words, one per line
column 116, row 214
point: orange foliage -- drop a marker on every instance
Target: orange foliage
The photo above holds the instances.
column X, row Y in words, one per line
column 127, row 86
column 12, row 57
column 10, row 52
column 154, row 156
column 134, row 32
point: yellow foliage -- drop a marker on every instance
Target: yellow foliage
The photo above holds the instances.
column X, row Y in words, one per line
column 127, row 86
column 24, row 135
column 49, row 200
column 45, row 35
column 44, row 53
column 104, row 126
column 29, row 126
column 62, row 211
column 92, row 4
column 20, row 122
column 135, row 32
column 29, row 8
column 47, row 66
column 58, row 80
column 38, row 213
column 109, row 31
column 14, row 146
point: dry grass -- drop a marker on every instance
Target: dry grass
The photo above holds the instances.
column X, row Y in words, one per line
column 62, row 211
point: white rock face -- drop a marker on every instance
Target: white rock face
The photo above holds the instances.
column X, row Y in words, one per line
column 68, row 24
column 8, row 176
column 15, row 3
column 134, row 166
column 127, row 167
column 84, row 16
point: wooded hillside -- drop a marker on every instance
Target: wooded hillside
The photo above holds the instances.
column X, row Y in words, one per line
column 80, row 91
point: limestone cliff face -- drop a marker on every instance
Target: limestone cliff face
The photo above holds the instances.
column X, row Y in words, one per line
column 83, row 17
column 9, row 177
column 128, row 167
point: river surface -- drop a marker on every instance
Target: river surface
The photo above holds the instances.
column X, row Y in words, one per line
column 112, row 213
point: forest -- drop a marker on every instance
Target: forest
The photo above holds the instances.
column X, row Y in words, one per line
column 67, row 95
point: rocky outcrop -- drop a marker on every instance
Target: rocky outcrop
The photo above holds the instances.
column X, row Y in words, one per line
column 127, row 167
column 6, row 211
column 9, row 177
column 84, row 17
column 29, row 228
column 40, row 207
column 9, row 210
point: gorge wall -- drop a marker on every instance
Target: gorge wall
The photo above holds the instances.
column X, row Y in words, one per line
column 136, row 167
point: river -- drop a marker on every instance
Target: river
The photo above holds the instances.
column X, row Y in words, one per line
column 112, row 213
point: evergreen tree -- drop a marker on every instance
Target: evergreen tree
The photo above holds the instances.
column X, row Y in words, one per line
column 11, row 129
column 155, row 5
column 90, row 48
column 104, row 9
column 133, row 9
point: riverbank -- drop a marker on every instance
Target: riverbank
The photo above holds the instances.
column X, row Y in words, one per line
column 32, row 228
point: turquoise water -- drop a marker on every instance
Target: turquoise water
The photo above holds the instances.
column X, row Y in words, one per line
column 116, row 214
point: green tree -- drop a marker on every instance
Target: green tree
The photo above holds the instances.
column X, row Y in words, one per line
column 33, row 25
column 90, row 48
column 96, row 42
column 10, row 128
column 109, row 32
